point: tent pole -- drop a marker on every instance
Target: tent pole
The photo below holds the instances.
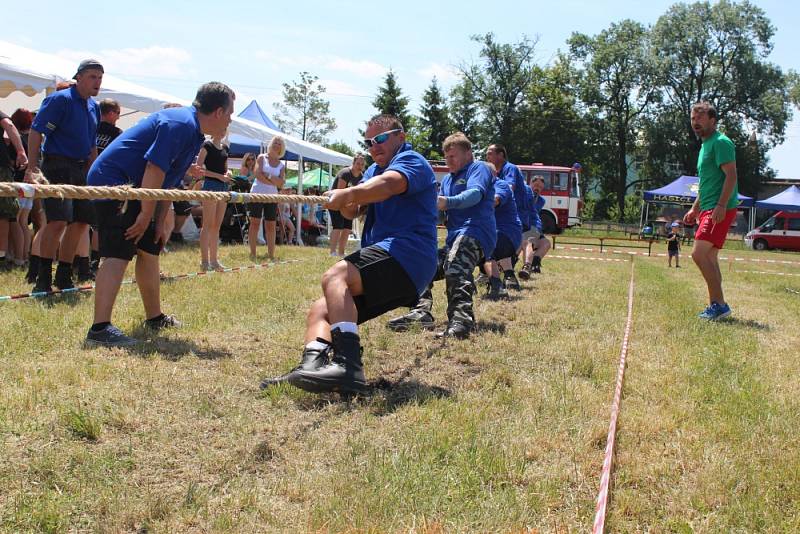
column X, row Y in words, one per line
column 299, row 216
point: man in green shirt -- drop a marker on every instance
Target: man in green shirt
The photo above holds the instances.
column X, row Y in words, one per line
column 714, row 209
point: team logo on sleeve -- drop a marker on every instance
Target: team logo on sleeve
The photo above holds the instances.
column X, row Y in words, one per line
column 50, row 126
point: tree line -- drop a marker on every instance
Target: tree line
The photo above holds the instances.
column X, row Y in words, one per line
column 618, row 102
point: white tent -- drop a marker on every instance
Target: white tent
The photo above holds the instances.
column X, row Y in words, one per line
column 24, row 71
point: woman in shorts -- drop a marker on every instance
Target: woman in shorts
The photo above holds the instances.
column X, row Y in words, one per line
column 270, row 174
column 214, row 158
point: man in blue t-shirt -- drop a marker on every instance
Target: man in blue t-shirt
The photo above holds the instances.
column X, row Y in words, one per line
column 467, row 195
column 509, row 237
column 154, row 154
column 496, row 155
column 534, row 241
column 67, row 121
column 396, row 263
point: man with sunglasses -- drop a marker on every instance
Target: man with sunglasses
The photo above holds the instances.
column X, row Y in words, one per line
column 467, row 194
column 396, row 263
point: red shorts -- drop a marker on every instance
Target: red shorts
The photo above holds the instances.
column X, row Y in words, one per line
column 715, row 233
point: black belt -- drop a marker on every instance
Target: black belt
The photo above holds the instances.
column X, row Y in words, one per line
column 58, row 157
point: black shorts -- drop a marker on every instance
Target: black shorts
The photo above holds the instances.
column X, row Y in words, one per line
column 112, row 226
column 385, row 282
column 67, row 171
column 672, row 253
column 181, row 207
column 504, row 248
column 339, row 221
column 262, row 210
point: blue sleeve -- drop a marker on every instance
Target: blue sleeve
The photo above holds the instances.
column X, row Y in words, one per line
column 417, row 171
column 503, row 192
column 50, row 115
column 169, row 140
column 479, row 177
column 465, row 199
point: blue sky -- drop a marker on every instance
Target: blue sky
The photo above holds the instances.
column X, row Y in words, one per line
column 256, row 46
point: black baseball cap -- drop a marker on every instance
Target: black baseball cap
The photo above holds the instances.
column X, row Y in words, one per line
column 87, row 64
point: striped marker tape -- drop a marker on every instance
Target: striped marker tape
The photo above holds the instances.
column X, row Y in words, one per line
column 605, row 476
column 586, row 258
column 769, row 272
column 661, row 254
column 90, row 287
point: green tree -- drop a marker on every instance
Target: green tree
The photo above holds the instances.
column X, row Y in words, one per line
column 434, row 121
column 500, row 81
column 718, row 52
column 304, row 112
column 390, row 100
column 464, row 109
column 340, row 146
column 616, row 86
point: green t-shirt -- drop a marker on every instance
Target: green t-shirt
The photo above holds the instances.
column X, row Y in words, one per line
column 716, row 151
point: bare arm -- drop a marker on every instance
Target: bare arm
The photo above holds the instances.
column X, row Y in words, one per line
column 16, row 141
column 376, row 189
column 153, row 179
column 34, row 149
column 730, row 182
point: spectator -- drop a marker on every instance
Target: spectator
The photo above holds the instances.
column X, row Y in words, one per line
column 213, row 157
column 674, row 245
column 342, row 226
column 68, row 121
column 270, row 175
column 9, row 205
column 156, row 153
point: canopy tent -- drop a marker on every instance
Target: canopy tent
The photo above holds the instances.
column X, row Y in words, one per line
column 312, row 178
column 683, row 191
column 35, row 73
column 786, row 200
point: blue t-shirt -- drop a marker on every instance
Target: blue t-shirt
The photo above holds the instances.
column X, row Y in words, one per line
column 525, row 215
column 513, row 176
column 505, row 213
column 169, row 139
column 405, row 225
column 536, row 205
column 476, row 221
column 69, row 124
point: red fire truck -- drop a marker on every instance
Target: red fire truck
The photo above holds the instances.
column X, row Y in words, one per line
column 562, row 193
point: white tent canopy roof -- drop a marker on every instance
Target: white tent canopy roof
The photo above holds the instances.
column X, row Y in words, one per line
column 31, row 72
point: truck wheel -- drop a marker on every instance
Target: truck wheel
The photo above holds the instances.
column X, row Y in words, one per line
column 760, row 244
column 549, row 225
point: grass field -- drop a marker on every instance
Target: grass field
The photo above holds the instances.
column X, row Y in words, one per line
column 503, row 432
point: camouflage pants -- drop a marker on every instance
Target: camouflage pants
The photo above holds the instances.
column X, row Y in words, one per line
column 456, row 265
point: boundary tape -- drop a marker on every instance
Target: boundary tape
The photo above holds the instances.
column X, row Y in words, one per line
column 605, row 476
column 661, row 254
column 90, row 287
column 586, row 258
column 768, row 272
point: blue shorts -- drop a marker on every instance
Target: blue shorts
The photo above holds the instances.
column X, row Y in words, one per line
column 211, row 184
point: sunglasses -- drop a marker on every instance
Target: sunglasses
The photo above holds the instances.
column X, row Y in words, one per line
column 380, row 138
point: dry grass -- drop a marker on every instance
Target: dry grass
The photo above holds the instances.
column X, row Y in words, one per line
column 501, row 433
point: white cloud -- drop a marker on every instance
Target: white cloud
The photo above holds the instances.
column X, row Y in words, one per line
column 340, row 88
column 151, row 61
column 445, row 74
column 362, row 68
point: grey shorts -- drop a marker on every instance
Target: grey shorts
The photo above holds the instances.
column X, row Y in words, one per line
column 533, row 235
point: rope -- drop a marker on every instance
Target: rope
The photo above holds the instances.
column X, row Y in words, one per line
column 18, row 189
column 90, row 287
column 605, row 476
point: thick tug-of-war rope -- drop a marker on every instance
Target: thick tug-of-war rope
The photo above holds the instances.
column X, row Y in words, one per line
column 90, row 287
column 605, row 476
column 22, row 190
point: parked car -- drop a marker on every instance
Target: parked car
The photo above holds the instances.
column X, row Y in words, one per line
column 781, row 231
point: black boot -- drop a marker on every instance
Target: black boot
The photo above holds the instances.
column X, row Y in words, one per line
column 510, row 280
column 311, row 360
column 414, row 317
column 537, row 264
column 33, row 269
column 44, row 280
column 455, row 329
column 345, row 372
column 84, row 269
column 525, row 272
column 496, row 289
column 64, row 276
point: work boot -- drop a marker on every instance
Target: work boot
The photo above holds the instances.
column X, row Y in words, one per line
column 64, row 276
column 510, row 280
column 406, row 322
column 84, row 269
column 344, row 373
column 525, row 272
column 311, row 360
column 537, row 264
column 496, row 289
column 455, row 329
column 44, row 280
column 33, row 269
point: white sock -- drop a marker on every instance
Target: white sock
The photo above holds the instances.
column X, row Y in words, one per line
column 345, row 327
column 316, row 345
